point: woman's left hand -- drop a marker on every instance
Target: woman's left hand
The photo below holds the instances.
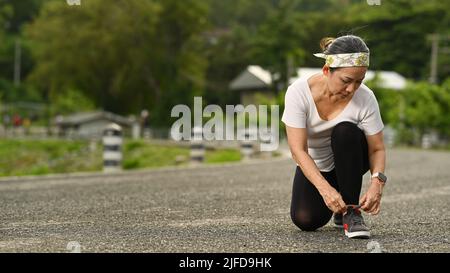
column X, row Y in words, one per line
column 371, row 200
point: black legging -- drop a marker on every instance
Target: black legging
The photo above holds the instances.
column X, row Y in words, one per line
column 350, row 150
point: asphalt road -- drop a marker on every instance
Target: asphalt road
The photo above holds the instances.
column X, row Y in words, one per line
column 226, row 208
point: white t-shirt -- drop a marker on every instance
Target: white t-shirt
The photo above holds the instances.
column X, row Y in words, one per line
column 300, row 112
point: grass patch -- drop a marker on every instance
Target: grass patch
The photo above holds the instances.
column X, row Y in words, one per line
column 220, row 156
column 26, row 157
column 138, row 154
column 38, row 157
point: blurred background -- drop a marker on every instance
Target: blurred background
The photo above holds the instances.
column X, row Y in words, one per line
column 67, row 71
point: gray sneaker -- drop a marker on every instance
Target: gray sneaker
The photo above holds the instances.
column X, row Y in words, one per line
column 337, row 219
column 354, row 225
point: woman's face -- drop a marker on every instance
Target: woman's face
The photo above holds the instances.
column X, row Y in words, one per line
column 344, row 81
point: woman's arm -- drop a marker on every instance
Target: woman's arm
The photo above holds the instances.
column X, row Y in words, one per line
column 377, row 153
column 370, row 202
column 297, row 140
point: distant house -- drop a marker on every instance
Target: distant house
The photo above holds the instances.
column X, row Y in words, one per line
column 89, row 124
column 254, row 79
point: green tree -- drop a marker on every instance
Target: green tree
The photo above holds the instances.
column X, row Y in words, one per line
column 442, row 98
column 277, row 41
column 124, row 56
column 13, row 15
column 69, row 102
column 266, row 33
column 233, row 26
column 397, row 31
column 5, row 56
column 427, row 107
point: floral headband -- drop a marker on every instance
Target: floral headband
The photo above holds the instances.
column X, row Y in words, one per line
column 345, row 60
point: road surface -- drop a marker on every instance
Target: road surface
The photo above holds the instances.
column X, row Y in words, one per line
column 220, row 208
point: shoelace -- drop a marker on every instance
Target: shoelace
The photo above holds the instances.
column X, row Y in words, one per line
column 356, row 216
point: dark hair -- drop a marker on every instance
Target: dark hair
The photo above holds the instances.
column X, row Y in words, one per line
column 343, row 44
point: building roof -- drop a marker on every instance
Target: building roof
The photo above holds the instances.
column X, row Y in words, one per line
column 86, row 117
column 388, row 79
column 255, row 77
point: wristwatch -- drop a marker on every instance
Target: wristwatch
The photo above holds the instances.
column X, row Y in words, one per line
column 381, row 177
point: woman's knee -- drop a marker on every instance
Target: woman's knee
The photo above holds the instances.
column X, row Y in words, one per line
column 345, row 133
column 307, row 223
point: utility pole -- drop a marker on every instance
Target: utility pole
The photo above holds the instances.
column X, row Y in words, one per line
column 289, row 69
column 435, row 51
column 17, row 62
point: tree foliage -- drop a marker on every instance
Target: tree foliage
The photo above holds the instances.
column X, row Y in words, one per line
column 124, row 56
column 128, row 55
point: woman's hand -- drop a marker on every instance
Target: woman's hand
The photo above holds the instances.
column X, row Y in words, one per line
column 333, row 200
column 371, row 200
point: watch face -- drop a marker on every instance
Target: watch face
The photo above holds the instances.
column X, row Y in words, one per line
column 382, row 177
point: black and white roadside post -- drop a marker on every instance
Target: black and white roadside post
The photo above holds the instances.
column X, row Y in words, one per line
column 426, row 141
column 197, row 146
column 266, row 141
column 247, row 149
column 112, row 148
